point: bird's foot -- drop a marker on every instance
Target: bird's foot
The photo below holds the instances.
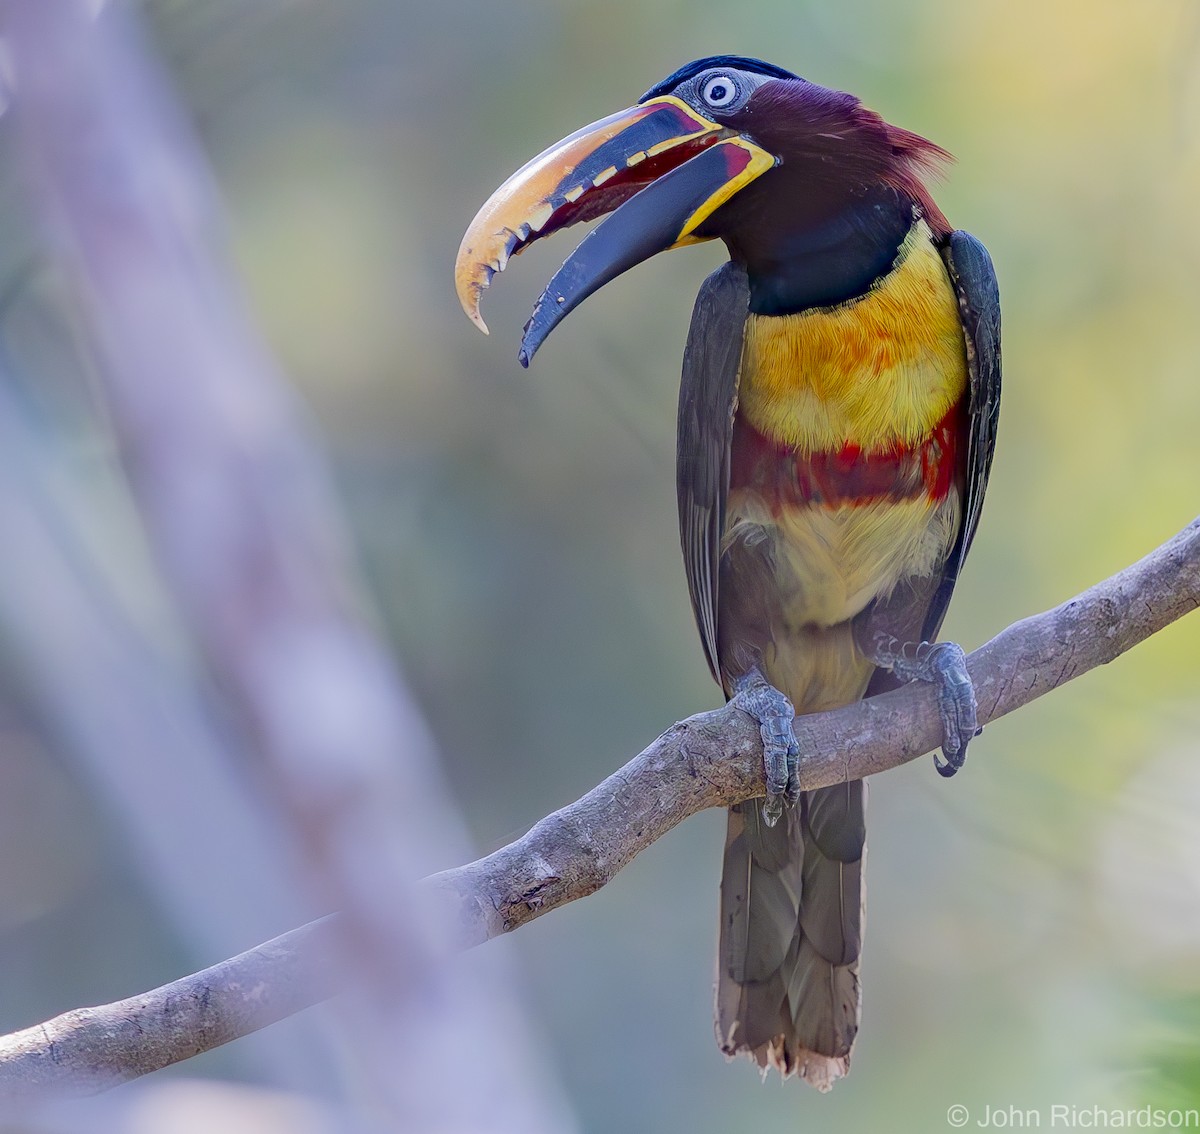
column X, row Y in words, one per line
column 945, row 665
column 755, row 696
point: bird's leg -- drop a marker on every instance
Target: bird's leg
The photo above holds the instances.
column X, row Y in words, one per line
column 945, row 665
column 756, row 696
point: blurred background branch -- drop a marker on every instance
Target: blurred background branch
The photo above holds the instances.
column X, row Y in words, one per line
column 237, row 508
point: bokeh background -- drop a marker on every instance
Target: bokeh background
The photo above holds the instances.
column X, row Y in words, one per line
column 1034, row 926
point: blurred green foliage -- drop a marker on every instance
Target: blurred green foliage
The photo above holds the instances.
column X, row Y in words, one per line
column 1034, row 926
column 1174, row 1078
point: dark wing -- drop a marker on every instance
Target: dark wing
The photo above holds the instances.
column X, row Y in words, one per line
column 974, row 281
column 707, row 404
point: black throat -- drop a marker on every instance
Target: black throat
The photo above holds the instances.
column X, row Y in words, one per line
column 824, row 257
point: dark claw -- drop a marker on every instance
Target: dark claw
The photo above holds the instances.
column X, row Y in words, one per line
column 793, row 783
column 774, row 713
column 950, row 765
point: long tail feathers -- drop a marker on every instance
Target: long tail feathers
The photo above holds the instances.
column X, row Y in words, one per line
column 791, row 933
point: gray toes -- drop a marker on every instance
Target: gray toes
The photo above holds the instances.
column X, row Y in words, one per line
column 774, row 714
column 956, row 704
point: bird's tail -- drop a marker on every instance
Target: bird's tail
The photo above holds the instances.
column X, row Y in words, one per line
column 791, row 932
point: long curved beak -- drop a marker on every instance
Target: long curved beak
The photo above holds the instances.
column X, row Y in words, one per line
column 660, row 168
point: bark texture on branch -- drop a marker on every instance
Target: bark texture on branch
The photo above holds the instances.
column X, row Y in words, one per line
column 715, row 759
column 709, row 760
column 88, row 1050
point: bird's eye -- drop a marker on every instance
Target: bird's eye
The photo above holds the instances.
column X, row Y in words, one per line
column 719, row 91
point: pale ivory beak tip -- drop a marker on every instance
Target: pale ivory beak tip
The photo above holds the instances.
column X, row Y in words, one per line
column 469, row 293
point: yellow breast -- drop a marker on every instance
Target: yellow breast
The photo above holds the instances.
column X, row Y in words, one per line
column 877, row 371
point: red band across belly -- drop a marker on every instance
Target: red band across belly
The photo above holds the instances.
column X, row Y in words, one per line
column 848, row 475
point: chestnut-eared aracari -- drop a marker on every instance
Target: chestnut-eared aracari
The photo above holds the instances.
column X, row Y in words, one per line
column 837, row 417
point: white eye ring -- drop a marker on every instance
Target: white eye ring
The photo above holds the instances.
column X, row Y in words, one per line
column 719, row 91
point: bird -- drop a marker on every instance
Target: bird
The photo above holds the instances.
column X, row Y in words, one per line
column 837, row 421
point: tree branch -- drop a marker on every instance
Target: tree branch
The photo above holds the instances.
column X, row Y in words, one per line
column 89, row 1050
column 709, row 760
column 715, row 759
